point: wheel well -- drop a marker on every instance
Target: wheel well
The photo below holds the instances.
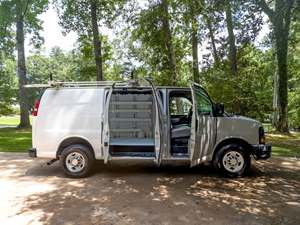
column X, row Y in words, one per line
column 228, row 141
column 71, row 141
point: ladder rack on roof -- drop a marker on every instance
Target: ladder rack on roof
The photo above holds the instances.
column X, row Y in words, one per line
column 57, row 84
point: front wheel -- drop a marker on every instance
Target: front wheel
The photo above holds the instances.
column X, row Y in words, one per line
column 232, row 160
column 77, row 160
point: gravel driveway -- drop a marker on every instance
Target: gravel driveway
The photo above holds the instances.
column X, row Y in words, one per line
column 140, row 193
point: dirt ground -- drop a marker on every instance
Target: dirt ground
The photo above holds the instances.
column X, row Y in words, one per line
column 140, row 193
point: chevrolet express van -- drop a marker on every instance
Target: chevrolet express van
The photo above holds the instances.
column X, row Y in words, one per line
column 79, row 123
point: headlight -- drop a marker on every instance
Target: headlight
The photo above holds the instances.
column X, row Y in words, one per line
column 261, row 135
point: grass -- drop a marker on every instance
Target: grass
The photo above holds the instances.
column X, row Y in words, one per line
column 10, row 120
column 15, row 140
column 268, row 127
column 285, row 144
column 11, row 138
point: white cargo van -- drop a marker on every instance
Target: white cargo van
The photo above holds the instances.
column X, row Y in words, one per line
column 79, row 123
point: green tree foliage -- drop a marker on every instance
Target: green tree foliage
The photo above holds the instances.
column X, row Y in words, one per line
column 189, row 15
column 8, row 86
column 85, row 60
column 39, row 68
column 76, row 65
column 84, row 17
column 23, row 15
column 280, row 14
column 156, row 44
column 246, row 21
column 294, row 69
column 252, row 88
column 6, row 32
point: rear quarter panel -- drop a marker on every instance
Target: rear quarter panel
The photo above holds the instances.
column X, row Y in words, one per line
column 68, row 112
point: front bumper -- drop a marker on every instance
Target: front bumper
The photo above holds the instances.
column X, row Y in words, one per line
column 32, row 152
column 262, row 151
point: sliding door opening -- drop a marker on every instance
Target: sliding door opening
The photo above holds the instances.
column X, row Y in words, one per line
column 132, row 122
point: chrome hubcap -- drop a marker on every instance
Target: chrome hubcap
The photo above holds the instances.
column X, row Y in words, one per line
column 233, row 161
column 75, row 162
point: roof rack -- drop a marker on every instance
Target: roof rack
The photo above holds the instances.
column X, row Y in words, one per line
column 57, row 84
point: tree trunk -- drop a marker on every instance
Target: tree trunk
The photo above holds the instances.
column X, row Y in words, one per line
column 213, row 41
column 281, row 26
column 21, row 71
column 231, row 38
column 281, row 54
column 275, row 100
column 195, row 57
column 168, row 41
column 280, row 19
column 194, row 40
column 96, row 40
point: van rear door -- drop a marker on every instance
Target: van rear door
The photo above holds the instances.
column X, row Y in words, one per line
column 203, row 126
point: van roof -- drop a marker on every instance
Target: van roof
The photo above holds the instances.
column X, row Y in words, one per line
column 120, row 87
column 95, row 84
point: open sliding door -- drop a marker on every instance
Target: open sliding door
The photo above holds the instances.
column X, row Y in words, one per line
column 105, row 121
column 203, row 127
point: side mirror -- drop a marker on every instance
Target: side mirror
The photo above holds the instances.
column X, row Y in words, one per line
column 219, row 109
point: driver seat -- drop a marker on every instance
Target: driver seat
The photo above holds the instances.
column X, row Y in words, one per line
column 180, row 131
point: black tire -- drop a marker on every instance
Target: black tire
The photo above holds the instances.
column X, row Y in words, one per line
column 227, row 150
column 83, row 151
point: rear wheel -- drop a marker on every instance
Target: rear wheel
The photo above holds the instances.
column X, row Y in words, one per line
column 232, row 160
column 77, row 160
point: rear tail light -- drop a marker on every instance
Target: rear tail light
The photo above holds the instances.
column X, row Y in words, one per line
column 36, row 108
column 262, row 138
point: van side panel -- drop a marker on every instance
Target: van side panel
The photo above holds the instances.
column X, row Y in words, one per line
column 66, row 113
column 237, row 127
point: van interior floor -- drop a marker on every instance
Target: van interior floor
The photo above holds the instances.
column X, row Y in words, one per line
column 133, row 147
column 115, row 152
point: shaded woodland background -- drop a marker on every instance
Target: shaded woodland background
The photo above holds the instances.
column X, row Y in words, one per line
column 215, row 43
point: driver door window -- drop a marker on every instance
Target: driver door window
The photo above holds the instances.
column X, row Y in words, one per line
column 204, row 105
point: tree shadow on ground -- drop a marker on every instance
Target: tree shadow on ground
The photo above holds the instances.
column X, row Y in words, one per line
column 140, row 193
